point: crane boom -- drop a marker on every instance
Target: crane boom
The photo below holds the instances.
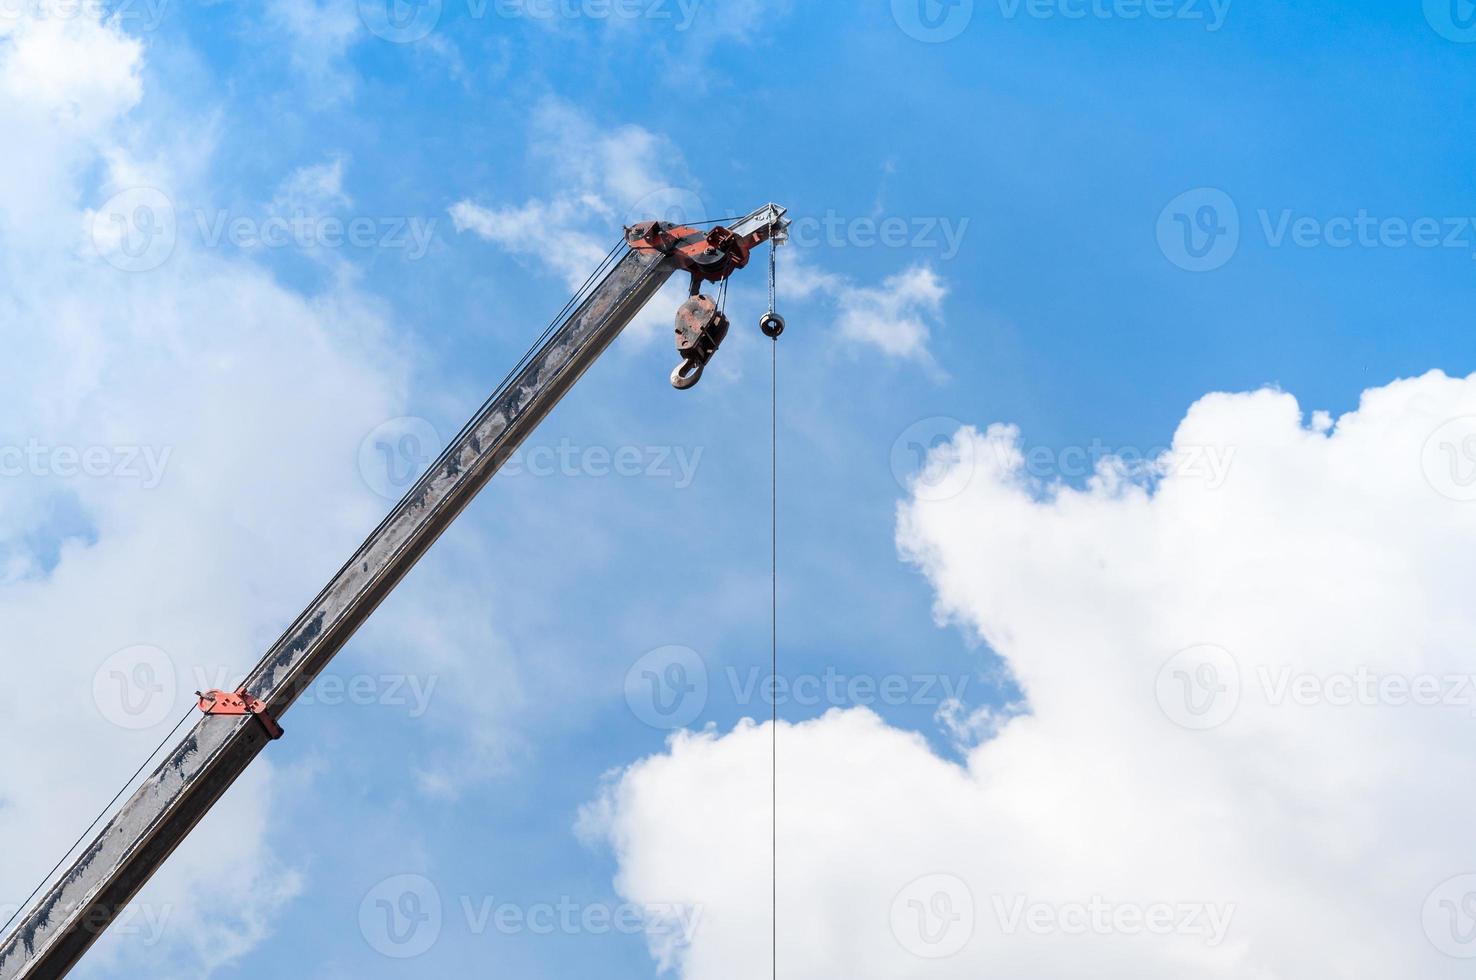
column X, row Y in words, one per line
column 234, row 727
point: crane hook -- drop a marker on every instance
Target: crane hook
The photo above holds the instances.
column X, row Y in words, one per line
column 700, row 330
column 686, row 375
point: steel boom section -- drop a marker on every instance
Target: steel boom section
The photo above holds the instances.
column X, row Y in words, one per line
column 57, row 931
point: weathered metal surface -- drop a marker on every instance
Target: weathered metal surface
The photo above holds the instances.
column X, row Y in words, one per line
column 55, row 933
column 184, row 787
column 700, row 330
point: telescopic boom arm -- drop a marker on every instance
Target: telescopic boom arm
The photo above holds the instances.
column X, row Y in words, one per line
column 235, row 726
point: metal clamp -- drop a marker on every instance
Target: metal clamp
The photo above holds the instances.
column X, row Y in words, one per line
column 238, row 704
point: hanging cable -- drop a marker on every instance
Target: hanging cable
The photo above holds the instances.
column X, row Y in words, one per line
column 5, row 929
column 538, row 345
column 770, row 320
column 774, row 642
column 499, row 393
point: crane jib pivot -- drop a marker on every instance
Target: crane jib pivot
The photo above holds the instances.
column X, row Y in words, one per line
column 709, row 256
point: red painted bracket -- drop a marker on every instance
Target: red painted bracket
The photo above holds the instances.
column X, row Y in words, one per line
column 708, row 255
column 237, row 705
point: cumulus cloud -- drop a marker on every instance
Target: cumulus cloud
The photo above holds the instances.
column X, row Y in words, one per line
column 318, row 35
column 1244, row 750
column 600, row 180
column 896, row 317
column 172, row 483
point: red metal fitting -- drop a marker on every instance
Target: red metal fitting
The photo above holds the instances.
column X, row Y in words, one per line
column 237, row 705
column 710, row 256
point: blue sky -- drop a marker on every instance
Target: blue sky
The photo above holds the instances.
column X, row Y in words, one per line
column 1042, row 172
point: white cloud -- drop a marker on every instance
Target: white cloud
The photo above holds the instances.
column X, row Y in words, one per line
column 249, row 399
column 319, row 34
column 603, row 179
column 313, row 190
column 1305, row 834
column 520, row 230
column 895, row 317
column 599, row 181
